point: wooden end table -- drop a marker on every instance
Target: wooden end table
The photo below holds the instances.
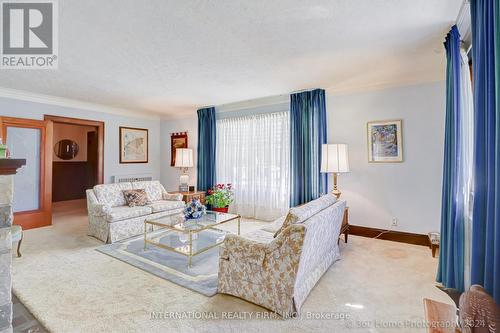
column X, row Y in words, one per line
column 189, row 196
column 344, row 229
column 434, row 238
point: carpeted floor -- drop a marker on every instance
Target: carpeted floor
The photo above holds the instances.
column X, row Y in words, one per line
column 377, row 286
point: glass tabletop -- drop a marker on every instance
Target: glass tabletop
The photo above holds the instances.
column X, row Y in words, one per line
column 180, row 223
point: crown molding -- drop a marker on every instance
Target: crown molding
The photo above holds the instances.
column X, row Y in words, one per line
column 75, row 104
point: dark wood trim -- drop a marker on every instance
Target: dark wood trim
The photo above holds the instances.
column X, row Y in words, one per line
column 391, row 235
column 9, row 166
column 42, row 216
column 147, row 144
column 100, row 138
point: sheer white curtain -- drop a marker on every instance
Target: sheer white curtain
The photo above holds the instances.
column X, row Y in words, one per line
column 253, row 155
column 466, row 172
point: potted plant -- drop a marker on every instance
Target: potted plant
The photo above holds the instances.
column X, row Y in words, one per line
column 220, row 197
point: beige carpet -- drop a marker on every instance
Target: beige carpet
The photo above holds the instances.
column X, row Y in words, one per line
column 70, row 287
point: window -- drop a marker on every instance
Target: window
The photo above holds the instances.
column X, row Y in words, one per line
column 253, row 154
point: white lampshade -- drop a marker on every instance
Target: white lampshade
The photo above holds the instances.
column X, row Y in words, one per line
column 184, row 158
column 334, row 158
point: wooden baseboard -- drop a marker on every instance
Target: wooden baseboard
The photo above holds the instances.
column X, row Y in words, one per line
column 395, row 236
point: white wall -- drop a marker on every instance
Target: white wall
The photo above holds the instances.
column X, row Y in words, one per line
column 409, row 191
column 169, row 174
column 32, row 110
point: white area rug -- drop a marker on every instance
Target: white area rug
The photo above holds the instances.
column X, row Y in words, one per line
column 70, row 287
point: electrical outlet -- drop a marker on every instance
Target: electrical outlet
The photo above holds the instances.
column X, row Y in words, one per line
column 394, row 222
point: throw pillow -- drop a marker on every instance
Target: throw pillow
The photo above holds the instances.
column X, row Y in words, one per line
column 136, row 197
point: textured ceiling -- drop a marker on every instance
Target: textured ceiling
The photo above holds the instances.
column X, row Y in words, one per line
column 171, row 56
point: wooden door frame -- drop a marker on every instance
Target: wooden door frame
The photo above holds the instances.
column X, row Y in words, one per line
column 27, row 219
column 100, row 138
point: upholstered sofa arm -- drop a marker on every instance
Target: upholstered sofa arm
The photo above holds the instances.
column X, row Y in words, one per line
column 94, row 207
column 262, row 273
column 243, row 250
column 101, row 210
column 172, row 196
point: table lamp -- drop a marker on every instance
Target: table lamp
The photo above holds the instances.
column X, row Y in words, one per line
column 184, row 160
column 334, row 159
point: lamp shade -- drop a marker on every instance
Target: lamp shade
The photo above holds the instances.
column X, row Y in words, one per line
column 184, row 158
column 334, row 158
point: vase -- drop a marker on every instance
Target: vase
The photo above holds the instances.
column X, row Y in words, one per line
column 221, row 209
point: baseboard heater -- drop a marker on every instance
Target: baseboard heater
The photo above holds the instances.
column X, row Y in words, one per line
column 132, row 178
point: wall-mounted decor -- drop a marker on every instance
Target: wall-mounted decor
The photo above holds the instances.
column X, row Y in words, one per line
column 133, row 145
column 385, row 141
column 66, row 149
column 177, row 140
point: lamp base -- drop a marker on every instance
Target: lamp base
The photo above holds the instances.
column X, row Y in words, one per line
column 335, row 191
column 184, row 181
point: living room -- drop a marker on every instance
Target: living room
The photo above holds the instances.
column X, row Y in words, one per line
column 285, row 166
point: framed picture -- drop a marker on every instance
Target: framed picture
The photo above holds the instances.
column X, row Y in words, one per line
column 385, row 141
column 133, row 145
column 177, row 140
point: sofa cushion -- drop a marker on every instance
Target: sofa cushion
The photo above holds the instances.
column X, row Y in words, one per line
column 153, row 189
column 112, row 194
column 136, row 197
column 126, row 212
column 260, row 236
column 164, row 205
column 275, row 225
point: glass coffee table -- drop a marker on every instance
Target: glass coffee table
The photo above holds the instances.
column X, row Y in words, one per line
column 188, row 236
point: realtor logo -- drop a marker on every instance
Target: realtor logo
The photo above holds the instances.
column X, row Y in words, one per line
column 29, row 34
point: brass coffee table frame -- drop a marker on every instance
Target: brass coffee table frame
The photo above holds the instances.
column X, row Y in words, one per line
column 190, row 233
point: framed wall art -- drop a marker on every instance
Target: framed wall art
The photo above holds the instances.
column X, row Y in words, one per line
column 133, row 145
column 385, row 141
column 177, row 140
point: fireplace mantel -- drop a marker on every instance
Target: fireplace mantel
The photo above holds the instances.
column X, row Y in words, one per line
column 9, row 166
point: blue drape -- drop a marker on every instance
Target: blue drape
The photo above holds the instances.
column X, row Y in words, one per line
column 307, row 134
column 451, row 254
column 485, row 256
column 206, row 148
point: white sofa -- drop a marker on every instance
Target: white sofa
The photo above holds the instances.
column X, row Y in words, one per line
column 111, row 219
column 278, row 272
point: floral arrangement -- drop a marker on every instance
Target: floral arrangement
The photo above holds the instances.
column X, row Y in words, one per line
column 194, row 210
column 220, row 196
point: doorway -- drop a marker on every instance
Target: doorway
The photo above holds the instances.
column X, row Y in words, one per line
column 78, row 157
column 30, row 139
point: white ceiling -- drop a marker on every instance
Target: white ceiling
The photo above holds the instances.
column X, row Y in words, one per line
column 171, row 57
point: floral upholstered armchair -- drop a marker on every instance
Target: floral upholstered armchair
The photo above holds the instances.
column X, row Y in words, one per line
column 249, row 265
column 278, row 265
